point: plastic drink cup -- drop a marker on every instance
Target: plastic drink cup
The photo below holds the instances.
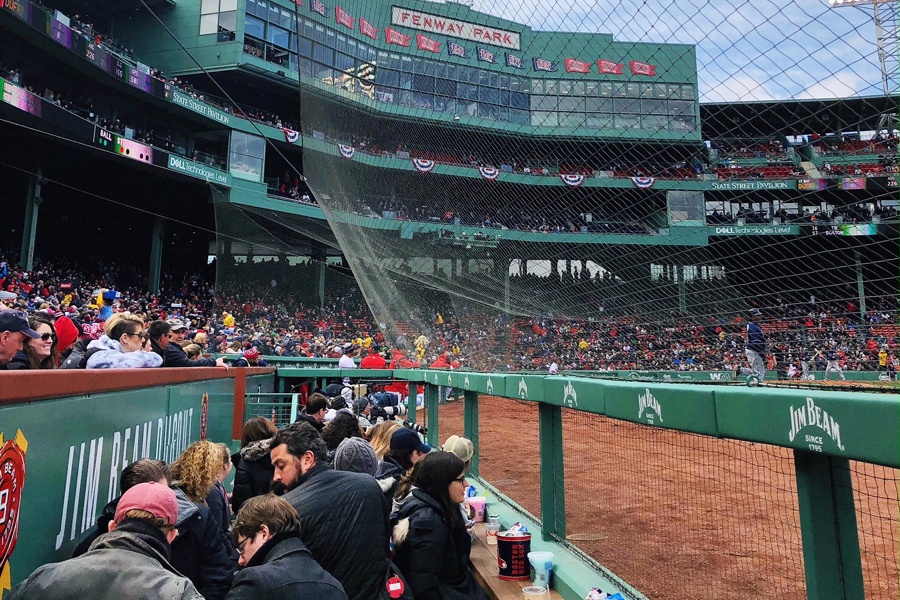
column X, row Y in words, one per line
column 542, row 563
column 534, row 592
column 491, row 531
column 494, row 520
column 477, row 503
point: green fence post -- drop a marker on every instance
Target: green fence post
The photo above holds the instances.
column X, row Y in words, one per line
column 470, row 427
column 828, row 525
column 431, row 406
column 553, row 498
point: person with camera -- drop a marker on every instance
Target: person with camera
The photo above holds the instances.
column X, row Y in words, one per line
column 407, row 449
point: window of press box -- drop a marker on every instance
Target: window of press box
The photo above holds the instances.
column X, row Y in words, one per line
column 246, row 156
column 218, row 17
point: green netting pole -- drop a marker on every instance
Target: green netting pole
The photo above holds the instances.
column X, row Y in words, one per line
column 831, row 555
column 470, row 427
column 553, row 499
column 156, row 251
column 431, row 407
column 317, row 256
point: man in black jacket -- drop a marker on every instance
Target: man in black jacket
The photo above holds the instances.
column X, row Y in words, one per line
column 314, row 412
column 174, row 356
column 159, row 331
column 277, row 564
column 343, row 515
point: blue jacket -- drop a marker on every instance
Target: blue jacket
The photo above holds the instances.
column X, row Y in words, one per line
column 756, row 341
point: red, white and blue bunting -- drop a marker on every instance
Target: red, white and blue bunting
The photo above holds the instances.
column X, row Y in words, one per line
column 290, row 135
column 489, row 172
column 423, row 165
column 347, row 151
column 572, row 179
column 643, row 182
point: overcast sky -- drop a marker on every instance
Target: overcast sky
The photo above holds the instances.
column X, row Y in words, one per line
column 759, row 50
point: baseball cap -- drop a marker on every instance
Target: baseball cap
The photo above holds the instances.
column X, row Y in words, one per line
column 251, row 353
column 176, row 324
column 16, row 321
column 460, row 446
column 405, row 438
column 4, row 295
column 155, row 498
column 754, row 311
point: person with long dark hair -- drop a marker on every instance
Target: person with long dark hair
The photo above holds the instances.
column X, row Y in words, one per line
column 430, row 539
column 253, row 470
column 41, row 352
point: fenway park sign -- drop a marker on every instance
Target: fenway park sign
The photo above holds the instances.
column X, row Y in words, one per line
column 473, row 32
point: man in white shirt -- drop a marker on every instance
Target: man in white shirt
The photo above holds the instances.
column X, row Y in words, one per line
column 346, row 361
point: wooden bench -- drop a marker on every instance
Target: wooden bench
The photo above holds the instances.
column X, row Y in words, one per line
column 484, row 559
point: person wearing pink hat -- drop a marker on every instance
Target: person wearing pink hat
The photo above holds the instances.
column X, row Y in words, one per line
column 130, row 561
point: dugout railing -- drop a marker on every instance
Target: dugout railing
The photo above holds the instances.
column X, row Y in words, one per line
column 786, row 492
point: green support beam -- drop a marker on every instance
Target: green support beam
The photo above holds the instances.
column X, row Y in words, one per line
column 29, row 231
column 470, row 427
column 860, row 287
column 156, row 250
column 431, row 406
column 553, row 490
column 828, row 526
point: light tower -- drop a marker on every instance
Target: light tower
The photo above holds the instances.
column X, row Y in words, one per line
column 884, row 14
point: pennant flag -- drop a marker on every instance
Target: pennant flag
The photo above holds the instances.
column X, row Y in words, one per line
column 423, row 165
column 318, row 6
column 343, row 17
column 639, row 68
column 454, row 49
column 347, row 151
column 485, row 55
column 643, row 182
column 426, row 43
column 392, row 36
column 290, row 136
column 489, row 172
column 514, row 61
column 572, row 179
column 577, row 66
column 542, row 64
column 368, row 29
column 609, row 67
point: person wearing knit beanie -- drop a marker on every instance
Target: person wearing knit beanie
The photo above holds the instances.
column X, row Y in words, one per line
column 355, row 455
column 66, row 333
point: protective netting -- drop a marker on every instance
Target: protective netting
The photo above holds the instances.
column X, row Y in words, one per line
column 877, row 505
column 601, row 200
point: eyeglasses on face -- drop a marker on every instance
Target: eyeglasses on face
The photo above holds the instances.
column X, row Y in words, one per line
column 241, row 544
column 460, row 479
column 46, row 337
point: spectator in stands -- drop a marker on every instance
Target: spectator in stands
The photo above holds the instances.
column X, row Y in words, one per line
column 355, row 455
column 14, row 330
column 252, row 468
column 314, row 411
column 344, row 516
column 217, row 499
column 465, row 450
column 174, row 355
column 277, row 564
column 41, row 352
column 250, row 358
column 379, row 437
column 134, row 555
column 347, row 358
column 374, row 360
column 344, row 425
column 121, row 345
column 430, row 539
column 158, row 332
column 200, row 552
column 406, row 450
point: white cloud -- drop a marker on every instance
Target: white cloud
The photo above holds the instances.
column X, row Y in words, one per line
column 839, row 85
column 739, row 88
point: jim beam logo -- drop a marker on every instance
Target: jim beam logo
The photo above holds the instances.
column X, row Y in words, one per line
column 810, row 415
column 523, row 388
column 490, row 386
column 570, row 397
column 12, row 483
column 649, row 408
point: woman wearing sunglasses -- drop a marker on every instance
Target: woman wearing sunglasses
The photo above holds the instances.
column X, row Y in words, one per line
column 38, row 353
column 430, row 538
column 121, row 345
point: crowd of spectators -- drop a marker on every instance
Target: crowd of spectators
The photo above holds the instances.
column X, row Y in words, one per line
column 99, row 317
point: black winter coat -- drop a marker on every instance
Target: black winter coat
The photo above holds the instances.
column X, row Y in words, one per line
column 432, row 555
column 253, row 472
column 345, row 525
column 388, row 475
column 198, row 552
column 283, row 569
column 174, row 356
